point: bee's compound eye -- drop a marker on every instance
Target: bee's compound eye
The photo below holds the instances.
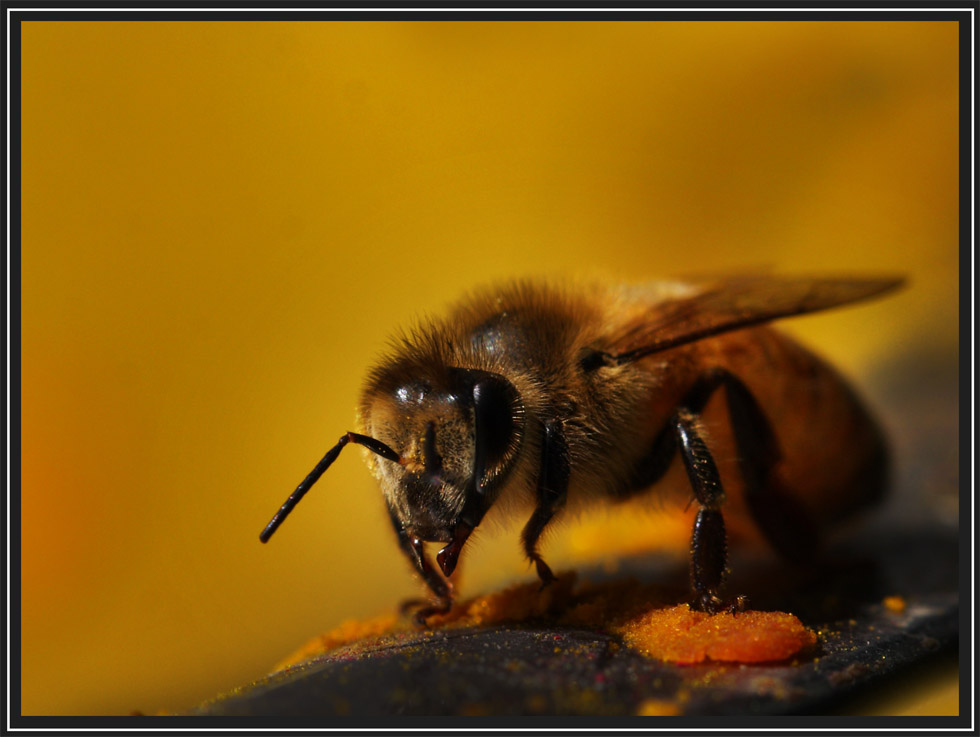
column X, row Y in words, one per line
column 494, row 406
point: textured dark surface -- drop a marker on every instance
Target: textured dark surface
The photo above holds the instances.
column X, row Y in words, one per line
column 545, row 670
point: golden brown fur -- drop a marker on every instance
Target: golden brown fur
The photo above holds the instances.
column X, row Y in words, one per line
column 535, row 335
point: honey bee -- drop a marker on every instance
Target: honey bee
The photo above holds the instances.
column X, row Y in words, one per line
column 548, row 397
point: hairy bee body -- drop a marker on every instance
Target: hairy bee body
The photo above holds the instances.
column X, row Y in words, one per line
column 536, row 335
column 549, row 398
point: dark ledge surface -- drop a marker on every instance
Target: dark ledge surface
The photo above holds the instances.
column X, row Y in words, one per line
column 533, row 668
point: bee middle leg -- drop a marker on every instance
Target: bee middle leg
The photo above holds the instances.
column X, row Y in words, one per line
column 709, row 545
column 781, row 519
column 552, row 490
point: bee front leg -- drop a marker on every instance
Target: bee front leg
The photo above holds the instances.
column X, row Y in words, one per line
column 442, row 589
column 552, row 491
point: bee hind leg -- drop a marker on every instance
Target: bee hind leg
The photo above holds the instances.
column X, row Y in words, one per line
column 552, row 490
column 781, row 518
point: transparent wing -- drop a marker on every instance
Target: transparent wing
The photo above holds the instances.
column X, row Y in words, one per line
column 737, row 302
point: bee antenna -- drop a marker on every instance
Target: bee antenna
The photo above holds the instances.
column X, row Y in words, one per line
column 370, row 443
column 430, row 458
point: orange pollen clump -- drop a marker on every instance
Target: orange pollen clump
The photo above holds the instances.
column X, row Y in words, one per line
column 680, row 635
column 658, row 708
column 894, row 603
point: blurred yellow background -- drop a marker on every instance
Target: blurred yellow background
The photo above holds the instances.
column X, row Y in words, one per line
column 223, row 222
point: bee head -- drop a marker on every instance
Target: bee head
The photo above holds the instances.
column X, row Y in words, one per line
column 457, row 432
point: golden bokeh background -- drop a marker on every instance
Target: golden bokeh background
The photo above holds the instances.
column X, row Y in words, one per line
column 223, row 221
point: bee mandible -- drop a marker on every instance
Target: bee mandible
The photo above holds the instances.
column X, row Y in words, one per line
column 549, row 396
